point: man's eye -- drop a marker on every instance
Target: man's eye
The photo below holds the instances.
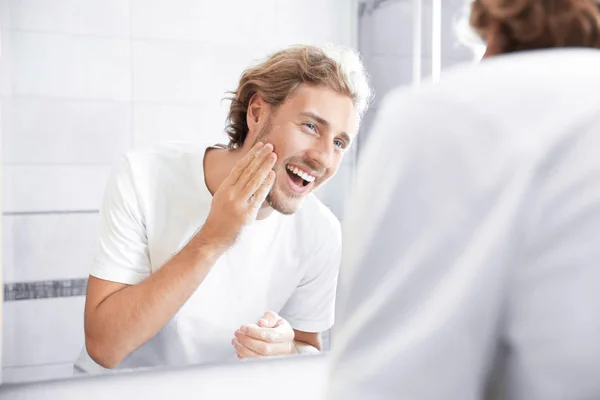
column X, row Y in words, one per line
column 311, row 126
column 339, row 143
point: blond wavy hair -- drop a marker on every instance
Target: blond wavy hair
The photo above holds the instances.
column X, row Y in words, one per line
column 275, row 79
column 537, row 24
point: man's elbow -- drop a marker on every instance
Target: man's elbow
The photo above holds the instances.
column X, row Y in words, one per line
column 102, row 353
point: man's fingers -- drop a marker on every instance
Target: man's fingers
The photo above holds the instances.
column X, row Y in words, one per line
column 270, row 319
column 261, row 194
column 263, row 348
column 241, row 166
column 242, row 351
column 251, row 170
column 269, row 335
column 264, row 323
column 258, row 179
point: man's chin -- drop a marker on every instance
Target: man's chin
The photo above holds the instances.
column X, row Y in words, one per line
column 284, row 206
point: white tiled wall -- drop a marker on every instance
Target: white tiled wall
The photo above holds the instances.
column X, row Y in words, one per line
column 65, row 131
column 314, row 21
column 155, row 122
column 41, row 333
column 69, row 66
column 220, row 22
column 387, row 46
column 51, row 188
column 58, row 250
column 109, row 18
column 82, row 81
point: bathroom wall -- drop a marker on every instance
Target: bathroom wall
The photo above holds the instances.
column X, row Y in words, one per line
column 82, row 81
column 386, row 43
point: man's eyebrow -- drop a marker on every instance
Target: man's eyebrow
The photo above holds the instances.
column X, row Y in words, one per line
column 314, row 116
column 324, row 122
column 346, row 137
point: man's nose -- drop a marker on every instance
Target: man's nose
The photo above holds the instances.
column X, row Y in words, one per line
column 323, row 154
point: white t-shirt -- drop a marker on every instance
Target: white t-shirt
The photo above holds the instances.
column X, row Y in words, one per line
column 472, row 248
column 155, row 202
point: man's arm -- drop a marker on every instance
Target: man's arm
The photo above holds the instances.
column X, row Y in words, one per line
column 119, row 318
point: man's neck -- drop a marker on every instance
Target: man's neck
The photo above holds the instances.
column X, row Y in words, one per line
column 218, row 164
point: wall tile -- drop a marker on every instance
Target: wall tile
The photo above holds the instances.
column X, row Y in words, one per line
column 36, row 373
column 53, row 188
column 390, row 71
column 188, row 123
column 393, row 27
column 52, row 131
column 204, row 21
column 48, row 247
column 452, row 16
column 5, row 15
column 42, row 331
column 5, row 49
column 177, row 72
column 70, row 66
column 314, row 22
column 366, row 29
column 393, row 30
column 87, row 17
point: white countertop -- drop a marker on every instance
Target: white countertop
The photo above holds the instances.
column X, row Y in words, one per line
column 301, row 377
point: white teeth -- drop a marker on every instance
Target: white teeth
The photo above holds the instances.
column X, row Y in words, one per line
column 302, row 174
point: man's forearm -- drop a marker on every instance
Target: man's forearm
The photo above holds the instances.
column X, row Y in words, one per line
column 130, row 317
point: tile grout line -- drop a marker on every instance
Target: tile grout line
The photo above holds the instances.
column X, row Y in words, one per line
column 48, row 212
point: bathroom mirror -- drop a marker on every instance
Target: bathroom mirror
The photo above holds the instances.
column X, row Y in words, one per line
column 83, row 82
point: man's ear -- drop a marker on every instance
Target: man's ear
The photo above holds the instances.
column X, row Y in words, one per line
column 255, row 113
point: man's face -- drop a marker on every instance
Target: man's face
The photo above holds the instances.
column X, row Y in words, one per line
column 310, row 132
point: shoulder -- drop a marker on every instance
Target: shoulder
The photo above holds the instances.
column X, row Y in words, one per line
column 169, row 173
column 500, row 101
column 165, row 155
column 164, row 164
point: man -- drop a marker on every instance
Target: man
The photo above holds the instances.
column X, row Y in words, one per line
column 471, row 265
column 199, row 244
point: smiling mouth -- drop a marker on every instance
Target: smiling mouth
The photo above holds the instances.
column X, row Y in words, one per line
column 299, row 177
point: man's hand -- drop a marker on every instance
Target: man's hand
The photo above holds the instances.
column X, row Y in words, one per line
column 272, row 336
column 238, row 199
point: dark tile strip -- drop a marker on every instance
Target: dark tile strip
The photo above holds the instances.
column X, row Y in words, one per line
column 44, row 289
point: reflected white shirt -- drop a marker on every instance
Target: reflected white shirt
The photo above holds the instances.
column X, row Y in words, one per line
column 471, row 257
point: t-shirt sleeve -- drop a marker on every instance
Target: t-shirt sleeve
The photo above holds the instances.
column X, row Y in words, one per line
column 122, row 249
column 312, row 305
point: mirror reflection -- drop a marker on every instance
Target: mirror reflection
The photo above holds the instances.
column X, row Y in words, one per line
column 175, row 173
